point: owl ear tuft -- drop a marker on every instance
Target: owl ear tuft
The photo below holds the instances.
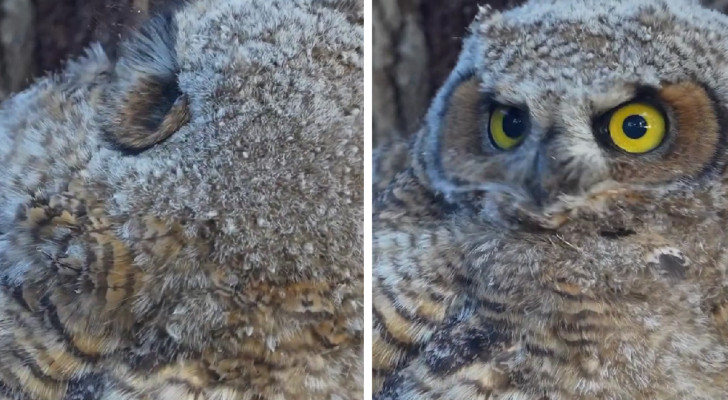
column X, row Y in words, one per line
column 143, row 104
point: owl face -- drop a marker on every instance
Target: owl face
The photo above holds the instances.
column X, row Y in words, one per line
column 550, row 101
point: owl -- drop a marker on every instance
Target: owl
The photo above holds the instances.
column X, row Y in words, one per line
column 183, row 221
column 561, row 229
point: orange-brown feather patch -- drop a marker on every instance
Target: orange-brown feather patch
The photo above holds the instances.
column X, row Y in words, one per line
column 463, row 132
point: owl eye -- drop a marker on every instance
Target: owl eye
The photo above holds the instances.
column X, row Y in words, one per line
column 507, row 127
column 637, row 128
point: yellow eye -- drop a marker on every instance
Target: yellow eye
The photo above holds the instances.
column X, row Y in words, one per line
column 507, row 127
column 637, row 127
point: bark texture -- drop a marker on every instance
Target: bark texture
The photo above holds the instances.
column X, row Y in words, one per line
column 16, row 38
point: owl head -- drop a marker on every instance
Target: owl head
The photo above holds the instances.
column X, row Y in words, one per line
column 222, row 146
column 562, row 102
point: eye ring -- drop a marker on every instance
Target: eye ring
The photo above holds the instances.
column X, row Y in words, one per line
column 637, row 127
column 507, row 126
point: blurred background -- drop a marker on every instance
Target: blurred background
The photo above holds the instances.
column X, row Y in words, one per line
column 416, row 44
column 37, row 36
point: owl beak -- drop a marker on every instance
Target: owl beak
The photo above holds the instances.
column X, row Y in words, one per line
column 537, row 182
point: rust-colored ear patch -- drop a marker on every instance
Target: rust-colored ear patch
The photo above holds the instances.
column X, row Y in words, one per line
column 151, row 112
column 696, row 136
column 142, row 104
column 462, row 133
column 463, row 118
column 697, row 124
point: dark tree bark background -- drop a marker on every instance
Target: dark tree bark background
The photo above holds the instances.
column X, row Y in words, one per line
column 37, row 36
column 416, row 44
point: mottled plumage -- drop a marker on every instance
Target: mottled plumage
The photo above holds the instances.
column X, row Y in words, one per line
column 184, row 222
column 563, row 267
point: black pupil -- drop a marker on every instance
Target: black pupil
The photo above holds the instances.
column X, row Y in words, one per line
column 513, row 123
column 635, row 126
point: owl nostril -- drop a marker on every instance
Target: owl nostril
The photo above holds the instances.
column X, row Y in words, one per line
column 550, row 177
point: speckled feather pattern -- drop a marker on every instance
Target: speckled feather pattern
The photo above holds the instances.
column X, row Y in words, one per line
column 610, row 280
column 184, row 222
